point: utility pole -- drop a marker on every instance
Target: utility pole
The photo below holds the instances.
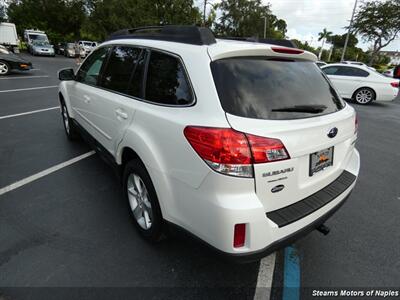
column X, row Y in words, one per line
column 265, row 27
column 348, row 32
column 204, row 13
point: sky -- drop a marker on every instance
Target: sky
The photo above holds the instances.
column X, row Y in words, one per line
column 306, row 18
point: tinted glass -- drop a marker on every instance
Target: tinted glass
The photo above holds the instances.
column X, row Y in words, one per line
column 90, row 70
column 166, row 81
column 119, row 68
column 268, row 89
column 330, row 70
column 349, row 71
column 136, row 85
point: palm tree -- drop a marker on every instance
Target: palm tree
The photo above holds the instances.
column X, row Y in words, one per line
column 324, row 35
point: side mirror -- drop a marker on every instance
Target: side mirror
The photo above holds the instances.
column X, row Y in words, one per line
column 66, row 74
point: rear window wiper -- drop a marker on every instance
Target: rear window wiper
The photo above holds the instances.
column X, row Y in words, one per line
column 312, row 109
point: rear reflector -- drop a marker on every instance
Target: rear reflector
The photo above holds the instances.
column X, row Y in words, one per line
column 287, row 50
column 395, row 84
column 239, row 236
column 232, row 152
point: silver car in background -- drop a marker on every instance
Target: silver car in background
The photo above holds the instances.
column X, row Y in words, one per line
column 42, row 48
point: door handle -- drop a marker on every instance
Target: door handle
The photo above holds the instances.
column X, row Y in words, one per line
column 120, row 113
column 86, row 99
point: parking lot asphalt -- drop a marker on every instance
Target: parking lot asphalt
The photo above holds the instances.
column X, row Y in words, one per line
column 72, row 228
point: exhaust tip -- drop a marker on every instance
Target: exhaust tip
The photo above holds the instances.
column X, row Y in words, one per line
column 324, row 229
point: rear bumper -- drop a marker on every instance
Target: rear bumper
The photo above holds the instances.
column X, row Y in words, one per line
column 285, row 241
column 21, row 66
column 211, row 212
column 389, row 96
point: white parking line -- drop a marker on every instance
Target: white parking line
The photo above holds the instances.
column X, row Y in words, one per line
column 264, row 279
column 24, row 77
column 28, row 112
column 28, row 89
column 43, row 173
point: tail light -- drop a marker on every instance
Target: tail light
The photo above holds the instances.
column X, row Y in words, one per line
column 395, row 84
column 239, row 235
column 232, row 152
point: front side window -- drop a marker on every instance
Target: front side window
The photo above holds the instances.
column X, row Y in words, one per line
column 262, row 88
column 119, row 68
column 89, row 72
column 330, row 70
column 166, row 81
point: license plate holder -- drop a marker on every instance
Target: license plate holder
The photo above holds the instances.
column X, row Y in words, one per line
column 321, row 160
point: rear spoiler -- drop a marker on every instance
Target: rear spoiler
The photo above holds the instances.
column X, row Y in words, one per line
column 278, row 42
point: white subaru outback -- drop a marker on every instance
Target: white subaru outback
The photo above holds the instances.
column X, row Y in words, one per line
column 244, row 144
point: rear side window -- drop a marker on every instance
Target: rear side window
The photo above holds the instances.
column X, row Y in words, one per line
column 119, row 68
column 136, row 84
column 260, row 88
column 166, row 81
column 89, row 72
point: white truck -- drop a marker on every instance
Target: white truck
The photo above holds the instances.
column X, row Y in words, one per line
column 8, row 36
column 34, row 35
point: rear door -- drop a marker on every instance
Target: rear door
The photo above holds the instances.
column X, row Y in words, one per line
column 291, row 101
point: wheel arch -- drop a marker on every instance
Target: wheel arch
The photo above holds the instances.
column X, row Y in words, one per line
column 63, row 98
column 364, row 87
column 126, row 154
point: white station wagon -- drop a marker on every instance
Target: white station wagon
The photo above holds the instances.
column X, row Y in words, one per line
column 245, row 145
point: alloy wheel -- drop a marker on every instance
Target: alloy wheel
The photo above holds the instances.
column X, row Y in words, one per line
column 3, row 68
column 139, row 201
column 364, row 96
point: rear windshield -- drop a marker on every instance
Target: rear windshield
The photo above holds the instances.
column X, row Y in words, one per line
column 263, row 88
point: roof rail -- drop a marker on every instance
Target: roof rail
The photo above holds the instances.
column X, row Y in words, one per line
column 278, row 42
column 173, row 33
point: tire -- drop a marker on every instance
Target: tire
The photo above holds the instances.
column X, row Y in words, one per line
column 4, row 68
column 142, row 200
column 364, row 96
column 70, row 130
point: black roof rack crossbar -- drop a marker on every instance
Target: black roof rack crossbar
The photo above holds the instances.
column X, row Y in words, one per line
column 278, row 42
column 173, row 33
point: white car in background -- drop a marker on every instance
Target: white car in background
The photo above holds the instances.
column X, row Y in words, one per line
column 361, row 84
column 86, row 47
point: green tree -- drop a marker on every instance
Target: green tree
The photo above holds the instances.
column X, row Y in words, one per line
column 240, row 18
column 378, row 22
column 108, row 16
column 3, row 16
column 59, row 18
column 305, row 46
column 324, row 35
column 338, row 40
